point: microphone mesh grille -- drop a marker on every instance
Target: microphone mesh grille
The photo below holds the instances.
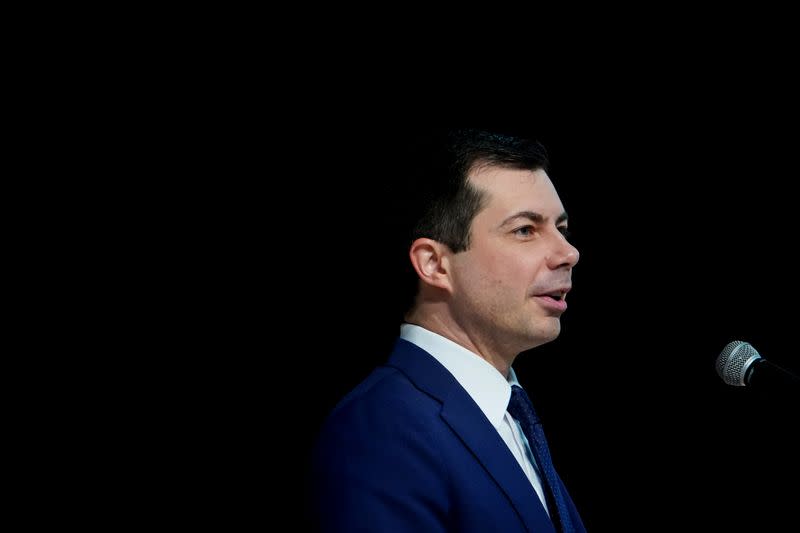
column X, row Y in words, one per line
column 734, row 360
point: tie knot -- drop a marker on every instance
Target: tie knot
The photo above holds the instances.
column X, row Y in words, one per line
column 520, row 406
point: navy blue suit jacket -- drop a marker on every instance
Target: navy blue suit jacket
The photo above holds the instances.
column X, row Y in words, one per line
column 408, row 450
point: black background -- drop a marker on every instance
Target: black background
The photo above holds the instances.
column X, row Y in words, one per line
column 263, row 162
column 684, row 214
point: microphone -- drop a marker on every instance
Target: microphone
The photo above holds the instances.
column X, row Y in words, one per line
column 739, row 364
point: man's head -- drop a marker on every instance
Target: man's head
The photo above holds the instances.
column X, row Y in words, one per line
column 489, row 245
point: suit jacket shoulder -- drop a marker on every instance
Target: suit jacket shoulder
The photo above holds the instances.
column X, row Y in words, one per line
column 409, row 450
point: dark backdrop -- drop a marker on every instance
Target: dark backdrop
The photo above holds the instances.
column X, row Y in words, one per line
column 686, row 225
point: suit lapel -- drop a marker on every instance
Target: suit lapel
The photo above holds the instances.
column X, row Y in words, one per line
column 493, row 454
column 466, row 419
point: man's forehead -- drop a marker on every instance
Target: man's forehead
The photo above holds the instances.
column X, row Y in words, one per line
column 509, row 191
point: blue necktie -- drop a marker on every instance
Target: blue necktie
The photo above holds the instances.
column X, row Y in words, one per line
column 521, row 408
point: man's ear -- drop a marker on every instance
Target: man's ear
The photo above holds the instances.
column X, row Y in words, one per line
column 431, row 260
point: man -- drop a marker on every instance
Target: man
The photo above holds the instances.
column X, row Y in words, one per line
column 427, row 443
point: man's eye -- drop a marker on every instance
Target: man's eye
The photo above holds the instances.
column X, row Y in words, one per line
column 524, row 231
column 564, row 231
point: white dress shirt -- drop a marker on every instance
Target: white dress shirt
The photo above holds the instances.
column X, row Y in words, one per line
column 487, row 386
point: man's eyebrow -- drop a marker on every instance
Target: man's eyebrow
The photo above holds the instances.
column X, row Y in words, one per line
column 534, row 217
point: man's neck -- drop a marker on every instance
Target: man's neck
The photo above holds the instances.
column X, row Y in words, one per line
column 443, row 324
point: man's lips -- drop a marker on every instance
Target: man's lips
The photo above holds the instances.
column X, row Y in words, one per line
column 554, row 299
column 556, row 293
column 552, row 304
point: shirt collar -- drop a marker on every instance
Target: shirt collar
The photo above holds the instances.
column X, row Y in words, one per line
column 482, row 381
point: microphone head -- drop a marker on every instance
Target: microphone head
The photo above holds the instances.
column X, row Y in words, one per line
column 734, row 361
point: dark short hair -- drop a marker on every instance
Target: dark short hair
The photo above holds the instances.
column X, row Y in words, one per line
column 442, row 203
column 448, row 202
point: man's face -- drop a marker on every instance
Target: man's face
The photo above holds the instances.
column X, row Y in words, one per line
column 511, row 282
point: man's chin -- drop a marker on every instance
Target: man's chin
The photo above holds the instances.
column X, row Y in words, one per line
column 543, row 333
column 550, row 331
